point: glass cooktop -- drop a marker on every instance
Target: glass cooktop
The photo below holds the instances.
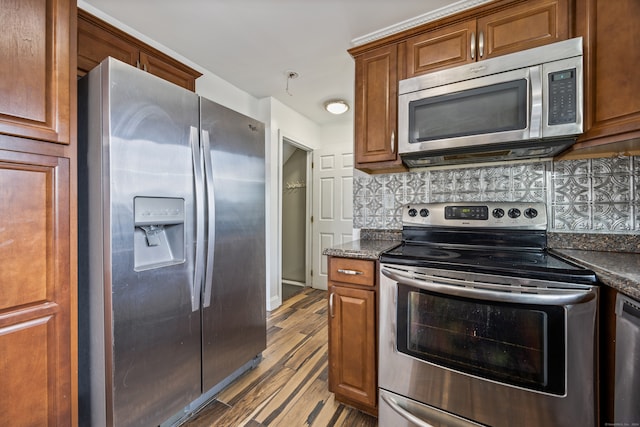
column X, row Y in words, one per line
column 534, row 263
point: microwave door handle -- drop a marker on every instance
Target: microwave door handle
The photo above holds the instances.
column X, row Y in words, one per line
column 535, row 124
column 464, row 288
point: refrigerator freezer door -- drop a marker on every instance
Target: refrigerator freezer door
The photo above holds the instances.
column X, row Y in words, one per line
column 234, row 313
column 152, row 334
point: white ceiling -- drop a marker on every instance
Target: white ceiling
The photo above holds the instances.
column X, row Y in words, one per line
column 253, row 44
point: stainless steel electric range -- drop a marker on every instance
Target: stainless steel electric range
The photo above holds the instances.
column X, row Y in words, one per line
column 481, row 325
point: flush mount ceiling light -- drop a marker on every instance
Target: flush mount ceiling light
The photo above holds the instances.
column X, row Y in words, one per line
column 336, row 106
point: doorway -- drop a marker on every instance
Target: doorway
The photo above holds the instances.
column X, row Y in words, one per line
column 295, row 212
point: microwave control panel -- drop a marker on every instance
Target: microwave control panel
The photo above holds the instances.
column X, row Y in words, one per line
column 562, row 97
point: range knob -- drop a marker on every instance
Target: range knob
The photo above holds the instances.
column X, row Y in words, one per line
column 498, row 213
column 413, row 212
column 530, row 213
column 514, row 213
column 424, row 212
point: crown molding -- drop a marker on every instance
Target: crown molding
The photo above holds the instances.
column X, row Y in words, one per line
column 418, row 20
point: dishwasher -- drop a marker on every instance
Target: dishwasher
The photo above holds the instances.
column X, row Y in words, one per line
column 627, row 376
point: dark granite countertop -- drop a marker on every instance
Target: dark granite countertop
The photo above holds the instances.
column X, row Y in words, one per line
column 361, row 249
column 615, row 258
column 620, row 270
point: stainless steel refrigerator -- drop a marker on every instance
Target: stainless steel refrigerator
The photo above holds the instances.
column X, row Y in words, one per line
column 171, row 246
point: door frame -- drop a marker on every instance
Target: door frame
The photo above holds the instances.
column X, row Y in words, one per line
column 282, row 139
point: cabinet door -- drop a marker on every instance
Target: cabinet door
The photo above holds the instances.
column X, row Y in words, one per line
column 95, row 43
column 376, row 107
column 352, row 345
column 98, row 39
column 35, row 63
column 612, row 85
column 35, row 325
column 163, row 69
column 441, row 48
column 530, row 24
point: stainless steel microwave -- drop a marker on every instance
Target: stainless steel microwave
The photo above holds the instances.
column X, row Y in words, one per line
column 527, row 104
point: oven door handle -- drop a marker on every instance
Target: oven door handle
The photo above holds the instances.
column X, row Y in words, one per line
column 439, row 417
column 403, row 412
column 464, row 288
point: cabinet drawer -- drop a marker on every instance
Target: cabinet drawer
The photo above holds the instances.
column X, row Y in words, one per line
column 349, row 270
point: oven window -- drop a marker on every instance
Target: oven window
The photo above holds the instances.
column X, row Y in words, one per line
column 517, row 344
column 495, row 108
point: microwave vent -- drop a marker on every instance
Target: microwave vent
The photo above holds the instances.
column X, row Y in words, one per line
column 517, row 150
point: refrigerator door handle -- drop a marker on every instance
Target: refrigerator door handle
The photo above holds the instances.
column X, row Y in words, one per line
column 200, row 212
column 211, row 213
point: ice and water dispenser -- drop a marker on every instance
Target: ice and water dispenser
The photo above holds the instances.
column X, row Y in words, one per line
column 159, row 232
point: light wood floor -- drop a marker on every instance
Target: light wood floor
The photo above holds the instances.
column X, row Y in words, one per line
column 289, row 386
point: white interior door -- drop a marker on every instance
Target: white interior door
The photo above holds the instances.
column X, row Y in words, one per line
column 332, row 205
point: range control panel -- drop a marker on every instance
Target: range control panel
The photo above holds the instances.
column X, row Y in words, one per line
column 517, row 215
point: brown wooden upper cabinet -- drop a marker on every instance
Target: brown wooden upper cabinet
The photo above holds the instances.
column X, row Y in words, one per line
column 35, row 89
column 375, row 113
column 612, row 83
column 98, row 40
column 490, row 30
column 511, row 29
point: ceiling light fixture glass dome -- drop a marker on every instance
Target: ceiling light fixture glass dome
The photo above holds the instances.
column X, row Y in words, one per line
column 336, row 106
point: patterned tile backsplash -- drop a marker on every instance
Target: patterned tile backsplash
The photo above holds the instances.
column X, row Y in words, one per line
column 592, row 195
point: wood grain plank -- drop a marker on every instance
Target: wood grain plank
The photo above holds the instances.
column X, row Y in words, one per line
column 289, row 387
column 297, row 385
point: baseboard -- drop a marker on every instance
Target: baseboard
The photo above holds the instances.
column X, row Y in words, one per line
column 274, row 302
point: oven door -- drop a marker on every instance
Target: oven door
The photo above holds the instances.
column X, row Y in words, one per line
column 491, row 349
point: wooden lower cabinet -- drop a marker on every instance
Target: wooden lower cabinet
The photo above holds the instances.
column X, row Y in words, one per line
column 607, row 353
column 35, row 291
column 353, row 333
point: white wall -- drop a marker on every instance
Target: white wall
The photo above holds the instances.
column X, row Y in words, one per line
column 214, row 88
column 281, row 122
column 340, row 133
